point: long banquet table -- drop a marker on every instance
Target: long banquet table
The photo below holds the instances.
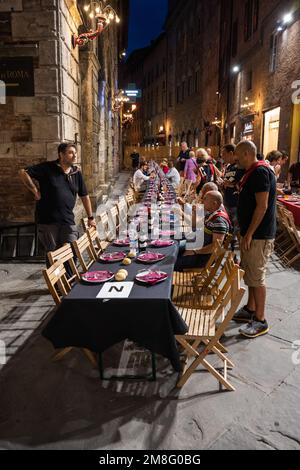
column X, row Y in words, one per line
column 146, row 317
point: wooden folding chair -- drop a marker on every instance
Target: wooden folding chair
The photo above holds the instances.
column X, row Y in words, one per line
column 203, row 336
column 284, row 240
column 208, row 293
column 97, row 246
column 113, row 220
column 227, row 242
column 106, row 235
column 122, row 208
column 84, row 224
column 207, row 273
column 65, row 255
column 84, row 252
column 295, row 237
column 59, row 287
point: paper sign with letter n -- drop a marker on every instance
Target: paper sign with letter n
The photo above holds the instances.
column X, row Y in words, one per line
column 115, row 290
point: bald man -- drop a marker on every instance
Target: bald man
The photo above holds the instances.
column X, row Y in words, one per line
column 206, row 189
column 216, row 227
column 257, row 221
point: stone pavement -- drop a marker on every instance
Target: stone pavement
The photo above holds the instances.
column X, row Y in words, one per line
column 46, row 405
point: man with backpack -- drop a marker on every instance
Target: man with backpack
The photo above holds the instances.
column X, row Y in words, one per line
column 207, row 171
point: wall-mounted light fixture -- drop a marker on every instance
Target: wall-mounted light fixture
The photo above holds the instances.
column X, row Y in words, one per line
column 286, row 20
column 119, row 100
column 236, row 69
column 104, row 15
column 217, row 122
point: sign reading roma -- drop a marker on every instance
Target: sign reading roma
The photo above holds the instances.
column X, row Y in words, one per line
column 11, row 5
column 17, row 74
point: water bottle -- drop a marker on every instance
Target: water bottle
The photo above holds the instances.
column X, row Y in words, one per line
column 143, row 242
column 133, row 238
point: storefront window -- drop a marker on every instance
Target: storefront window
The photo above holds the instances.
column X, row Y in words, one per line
column 271, row 130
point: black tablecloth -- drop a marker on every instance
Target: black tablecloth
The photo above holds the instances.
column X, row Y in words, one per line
column 147, row 317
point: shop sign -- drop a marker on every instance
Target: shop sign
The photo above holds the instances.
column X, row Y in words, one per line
column 17, row 73
column 11, row 5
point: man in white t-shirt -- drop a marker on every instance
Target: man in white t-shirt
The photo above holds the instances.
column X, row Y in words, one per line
column 173, row 175
column 140, row 178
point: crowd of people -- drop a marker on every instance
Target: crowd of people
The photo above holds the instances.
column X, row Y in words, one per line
column 239, row 192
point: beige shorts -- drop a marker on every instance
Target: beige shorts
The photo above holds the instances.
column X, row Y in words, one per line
column 254, row 262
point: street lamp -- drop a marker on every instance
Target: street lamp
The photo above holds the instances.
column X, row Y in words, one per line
column 288, row 18
column 104, row 14
column 118, row 101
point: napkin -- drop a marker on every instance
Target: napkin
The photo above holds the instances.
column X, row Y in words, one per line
column 151, row 257
column 97, row 276
column 110, row 256
column 162, row 243
column 153, row 278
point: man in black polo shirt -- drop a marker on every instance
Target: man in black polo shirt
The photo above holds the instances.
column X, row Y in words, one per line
column 257, row 220
column 59, row 184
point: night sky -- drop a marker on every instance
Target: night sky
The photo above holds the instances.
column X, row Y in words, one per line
column 146, row 21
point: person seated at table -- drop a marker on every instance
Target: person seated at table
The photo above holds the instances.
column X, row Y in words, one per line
column 216, row 226
column 164, row 166
column 274, row 158
column 206, row 189
column 188, row 211
column 140, row 179
column 294, row 176
column 173, row 175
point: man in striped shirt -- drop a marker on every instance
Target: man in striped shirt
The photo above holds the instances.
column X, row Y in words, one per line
column 216, row 226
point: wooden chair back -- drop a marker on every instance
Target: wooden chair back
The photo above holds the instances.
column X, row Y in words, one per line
column 57, row 281
column 84, row 252
column 65, row 255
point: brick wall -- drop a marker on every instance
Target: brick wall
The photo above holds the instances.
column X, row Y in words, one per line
column 65, row 105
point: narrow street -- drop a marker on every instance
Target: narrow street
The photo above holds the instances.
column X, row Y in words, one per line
column 83, row 413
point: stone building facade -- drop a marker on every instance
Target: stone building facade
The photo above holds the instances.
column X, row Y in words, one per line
column 257, row 99
column 70, row 99
column 232, row 73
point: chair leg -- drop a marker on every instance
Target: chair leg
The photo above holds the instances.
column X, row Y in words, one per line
column 219, row 347
column 200, row 360
column 91, row 356
column 58, row 356
column 218, row 376
column 223, row 358
column 292, row 261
